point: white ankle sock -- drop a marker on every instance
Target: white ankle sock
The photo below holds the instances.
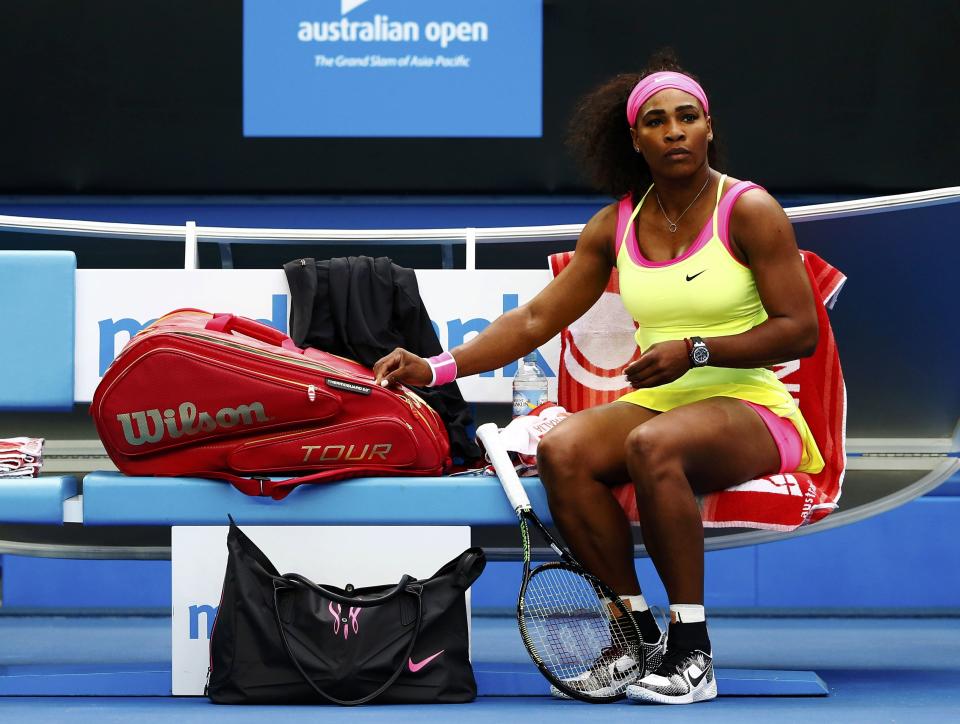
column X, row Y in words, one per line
column 632, row 603
column 687, row 613
column 635, row 603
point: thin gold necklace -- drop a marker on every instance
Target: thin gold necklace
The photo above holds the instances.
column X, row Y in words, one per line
column 673, row 224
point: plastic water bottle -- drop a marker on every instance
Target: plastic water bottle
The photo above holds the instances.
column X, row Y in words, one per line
column 529, row 386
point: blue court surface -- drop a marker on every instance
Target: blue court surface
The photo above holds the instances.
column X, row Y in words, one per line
column 876, row 669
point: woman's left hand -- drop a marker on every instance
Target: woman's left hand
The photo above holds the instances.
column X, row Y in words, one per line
column 662, row 363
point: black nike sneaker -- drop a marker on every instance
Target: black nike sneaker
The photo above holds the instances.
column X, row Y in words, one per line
column 683, row 677
column 616, row 668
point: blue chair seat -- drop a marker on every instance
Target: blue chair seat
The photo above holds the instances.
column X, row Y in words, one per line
column 35, row 500
column 110, row 498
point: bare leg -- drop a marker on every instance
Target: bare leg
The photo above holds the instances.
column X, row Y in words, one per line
column 697, row 448
column 578, row 462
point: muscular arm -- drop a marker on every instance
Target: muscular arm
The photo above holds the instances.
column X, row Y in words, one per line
column 561, row 302
column 520, row 330
column 762, row 236
column 761, row 232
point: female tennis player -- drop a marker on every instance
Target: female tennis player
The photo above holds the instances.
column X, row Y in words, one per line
column 709, row 268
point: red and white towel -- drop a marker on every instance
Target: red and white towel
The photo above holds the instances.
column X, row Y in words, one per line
column 595, row 350
column 523, row 434
column 21, row 457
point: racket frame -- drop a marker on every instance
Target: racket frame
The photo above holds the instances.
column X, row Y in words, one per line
column 489, row 436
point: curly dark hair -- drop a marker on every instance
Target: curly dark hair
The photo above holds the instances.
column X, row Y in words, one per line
column 600, row 138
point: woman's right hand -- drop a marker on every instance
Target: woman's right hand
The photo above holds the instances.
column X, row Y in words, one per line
column 402, row 366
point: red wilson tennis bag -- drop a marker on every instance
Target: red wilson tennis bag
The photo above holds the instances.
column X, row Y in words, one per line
column 226, row 397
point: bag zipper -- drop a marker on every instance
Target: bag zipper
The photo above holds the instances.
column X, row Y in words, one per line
column 421, row 404
column 305, row 386
column 304, row 362
column 414, row 405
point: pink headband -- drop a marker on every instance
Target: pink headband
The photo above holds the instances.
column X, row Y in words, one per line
column 656, row 82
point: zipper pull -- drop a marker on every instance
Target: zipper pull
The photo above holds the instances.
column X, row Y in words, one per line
column 312, row 393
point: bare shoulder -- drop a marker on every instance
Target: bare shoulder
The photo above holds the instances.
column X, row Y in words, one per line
column 603, row 222
column 599, row 232
column 759, row 227
column 753, row 206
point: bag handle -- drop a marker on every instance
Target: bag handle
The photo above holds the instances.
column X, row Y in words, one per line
column 228, row 323
column 321, row 692
column 359, row 602
column 260, row 486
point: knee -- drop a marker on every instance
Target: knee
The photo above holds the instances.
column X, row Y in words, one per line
column 558, row 454
column 651, row 457
column 561, row 462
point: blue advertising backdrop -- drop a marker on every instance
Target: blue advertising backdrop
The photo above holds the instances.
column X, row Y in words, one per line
column 375, row 68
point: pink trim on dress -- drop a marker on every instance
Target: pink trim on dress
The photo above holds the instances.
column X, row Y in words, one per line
column 725, row 211
column 785, row 436
column 625, row 211
column 640, row 260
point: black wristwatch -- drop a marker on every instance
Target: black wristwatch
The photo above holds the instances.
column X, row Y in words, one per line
column 698, row 352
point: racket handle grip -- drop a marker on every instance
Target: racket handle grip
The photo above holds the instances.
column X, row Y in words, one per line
column 489, row 435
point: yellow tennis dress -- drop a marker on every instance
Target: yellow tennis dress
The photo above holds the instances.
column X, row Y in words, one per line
column 706, row 292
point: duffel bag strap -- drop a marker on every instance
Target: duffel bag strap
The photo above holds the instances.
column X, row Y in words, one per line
column 280, row 489
column 413, row 590
column 228, row 323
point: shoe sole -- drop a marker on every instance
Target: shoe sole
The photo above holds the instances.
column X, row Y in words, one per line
column 647, row 696
column 600, row 693
column 619, row 690
column 557, row 694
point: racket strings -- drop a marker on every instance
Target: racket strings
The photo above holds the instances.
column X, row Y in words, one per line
column 572, row 630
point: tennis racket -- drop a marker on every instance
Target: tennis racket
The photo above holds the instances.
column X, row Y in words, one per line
column 575, row 628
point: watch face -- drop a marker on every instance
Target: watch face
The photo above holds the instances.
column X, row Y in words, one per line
column 700, row 355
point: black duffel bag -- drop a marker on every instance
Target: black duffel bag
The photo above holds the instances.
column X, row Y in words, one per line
column 282, row 639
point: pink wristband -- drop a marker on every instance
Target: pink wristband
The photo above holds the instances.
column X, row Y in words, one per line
column 444, row 369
